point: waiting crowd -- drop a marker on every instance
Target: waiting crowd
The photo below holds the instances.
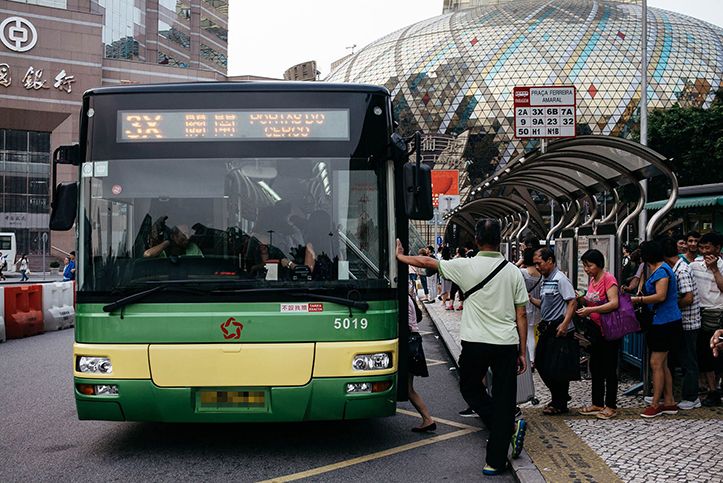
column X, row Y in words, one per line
column 672, row 290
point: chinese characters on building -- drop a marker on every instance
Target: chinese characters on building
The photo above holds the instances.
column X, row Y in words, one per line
column 34, row 79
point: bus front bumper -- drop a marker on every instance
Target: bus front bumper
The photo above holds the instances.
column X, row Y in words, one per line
column 320, row 399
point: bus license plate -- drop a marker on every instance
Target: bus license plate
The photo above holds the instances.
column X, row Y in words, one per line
column 214, row 400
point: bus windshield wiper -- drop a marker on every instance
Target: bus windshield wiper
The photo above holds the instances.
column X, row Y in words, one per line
column 135, row 297
column 179, row 286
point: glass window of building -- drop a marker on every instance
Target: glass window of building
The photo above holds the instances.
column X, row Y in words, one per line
column 46, row 3
column 214, row 55
column 24, row 186
column 124, row 24
column 212, row 27
column 221, row 6
column 174, row 35
column 166, row 59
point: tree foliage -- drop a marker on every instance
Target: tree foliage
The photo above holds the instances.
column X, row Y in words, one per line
column 693, row 138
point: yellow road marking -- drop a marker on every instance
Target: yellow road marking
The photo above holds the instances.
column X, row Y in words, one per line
column 372, row 456
column 438, row 420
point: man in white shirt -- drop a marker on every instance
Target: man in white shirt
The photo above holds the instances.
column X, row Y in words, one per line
column 494, row 335
column 708, row 272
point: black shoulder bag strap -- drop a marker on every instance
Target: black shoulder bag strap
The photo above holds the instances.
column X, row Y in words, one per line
column 487, row 279
column 536, row 284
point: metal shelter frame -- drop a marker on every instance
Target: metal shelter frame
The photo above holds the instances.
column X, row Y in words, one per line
column 570, row 172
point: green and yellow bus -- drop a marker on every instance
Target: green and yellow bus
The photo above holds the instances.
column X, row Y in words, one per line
column 236, row 252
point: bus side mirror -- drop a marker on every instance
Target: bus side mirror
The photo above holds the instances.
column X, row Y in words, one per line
column 67, row 155
column 64, row 206
column 418, row 191
column 65, row 195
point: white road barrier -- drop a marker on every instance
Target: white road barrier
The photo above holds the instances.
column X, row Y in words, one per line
column 58, row 310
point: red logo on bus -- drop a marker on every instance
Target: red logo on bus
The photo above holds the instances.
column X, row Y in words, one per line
column 231, row 329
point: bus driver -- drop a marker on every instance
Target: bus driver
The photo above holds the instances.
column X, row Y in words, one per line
column 177, row 244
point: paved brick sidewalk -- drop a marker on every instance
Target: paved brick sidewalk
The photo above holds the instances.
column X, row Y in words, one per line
column 574, row 448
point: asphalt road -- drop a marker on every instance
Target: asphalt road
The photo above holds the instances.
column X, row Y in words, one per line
column 41, row 438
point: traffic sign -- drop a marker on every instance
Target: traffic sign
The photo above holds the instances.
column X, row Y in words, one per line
column 545, row 112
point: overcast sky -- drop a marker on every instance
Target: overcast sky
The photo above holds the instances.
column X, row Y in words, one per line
column 268, row 37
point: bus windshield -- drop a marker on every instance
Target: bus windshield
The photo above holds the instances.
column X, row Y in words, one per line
column 260, row 222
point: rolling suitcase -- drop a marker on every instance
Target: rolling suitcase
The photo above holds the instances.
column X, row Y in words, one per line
column 525, row 385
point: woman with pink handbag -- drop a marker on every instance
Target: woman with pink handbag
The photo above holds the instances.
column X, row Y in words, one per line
column 602, row 297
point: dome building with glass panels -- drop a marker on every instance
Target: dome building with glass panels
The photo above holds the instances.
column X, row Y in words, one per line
column 456, row 72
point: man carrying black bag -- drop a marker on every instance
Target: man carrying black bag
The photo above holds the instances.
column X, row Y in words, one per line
column 494, row 335
column 557, row 357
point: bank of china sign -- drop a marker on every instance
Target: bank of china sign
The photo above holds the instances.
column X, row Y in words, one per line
column 18, row 34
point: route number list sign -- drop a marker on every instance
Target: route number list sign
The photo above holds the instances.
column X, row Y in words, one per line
column 545, row 112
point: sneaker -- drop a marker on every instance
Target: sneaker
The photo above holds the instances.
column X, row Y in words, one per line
column 711, row 400
column 648, row 400
column 518, row 413
column 428, row 301
column 686, row 405
column 652, row 411
column 459, row 307
column 489, row 471
column 669, row 409
column 518, row 437
column 448, row 307
column 468, row 413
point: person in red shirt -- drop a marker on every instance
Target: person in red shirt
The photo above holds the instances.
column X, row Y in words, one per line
column 601, row 298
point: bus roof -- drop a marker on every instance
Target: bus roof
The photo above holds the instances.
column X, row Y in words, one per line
column 240, row 86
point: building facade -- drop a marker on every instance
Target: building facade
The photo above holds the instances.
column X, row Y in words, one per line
column 305, row 71
column 456, row 72
column 54, row 50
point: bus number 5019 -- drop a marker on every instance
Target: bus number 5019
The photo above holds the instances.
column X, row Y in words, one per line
column 347, row 323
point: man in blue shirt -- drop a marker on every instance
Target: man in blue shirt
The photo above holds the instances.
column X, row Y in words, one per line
column 557, row 304
column 69, row 271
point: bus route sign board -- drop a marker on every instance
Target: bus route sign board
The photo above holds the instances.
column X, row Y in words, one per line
column 545, row 112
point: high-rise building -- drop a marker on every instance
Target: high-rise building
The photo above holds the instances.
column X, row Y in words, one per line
column 51, row 51
column 305, row 71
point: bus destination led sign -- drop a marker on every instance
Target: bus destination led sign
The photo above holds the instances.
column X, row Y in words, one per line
column 246, row 125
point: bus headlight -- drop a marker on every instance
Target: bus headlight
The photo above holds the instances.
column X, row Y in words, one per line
column 372, row 362
column 95, row 365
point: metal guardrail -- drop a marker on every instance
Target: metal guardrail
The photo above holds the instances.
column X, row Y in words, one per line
column 633, row 349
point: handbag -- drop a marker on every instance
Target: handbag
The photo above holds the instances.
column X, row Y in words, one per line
column 622, row 321
column 557, row 358
column 644, row 315
column 416, row 352
column 416, row 362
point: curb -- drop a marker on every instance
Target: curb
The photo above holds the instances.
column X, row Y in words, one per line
column 523, row 469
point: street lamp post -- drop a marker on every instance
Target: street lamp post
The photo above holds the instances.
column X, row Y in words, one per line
column 643, row 218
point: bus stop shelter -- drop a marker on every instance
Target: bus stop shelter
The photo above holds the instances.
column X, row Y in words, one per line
column 574, row 174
